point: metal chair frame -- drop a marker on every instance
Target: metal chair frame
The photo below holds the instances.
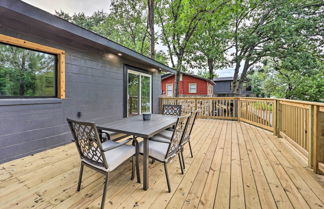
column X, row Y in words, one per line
column 91, row 142
column 174, row 147
column 175, row 110
column 187, row 134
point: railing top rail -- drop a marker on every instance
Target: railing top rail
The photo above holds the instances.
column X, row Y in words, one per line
column 302, row 102
column 201, row 98
column 257, row 98
column 321, row 104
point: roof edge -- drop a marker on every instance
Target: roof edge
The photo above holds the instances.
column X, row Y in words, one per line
column 195, row 76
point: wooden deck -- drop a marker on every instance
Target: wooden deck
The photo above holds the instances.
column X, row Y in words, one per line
column 235, row 165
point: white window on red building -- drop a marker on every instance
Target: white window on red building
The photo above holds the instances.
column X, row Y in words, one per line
column 192, row 88
column 169, row 90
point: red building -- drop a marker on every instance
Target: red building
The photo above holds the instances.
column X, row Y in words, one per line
column 190, row 85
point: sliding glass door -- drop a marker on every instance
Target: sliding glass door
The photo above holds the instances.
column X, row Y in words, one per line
column 139, row 93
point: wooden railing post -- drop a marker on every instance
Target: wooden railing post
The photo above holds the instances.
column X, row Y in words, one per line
column 317, row 144
column 238, row 109
column 276, row 117
column 311, row 137
column 161, row 102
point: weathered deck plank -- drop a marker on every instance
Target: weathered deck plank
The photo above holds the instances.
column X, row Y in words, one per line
column 235, row 165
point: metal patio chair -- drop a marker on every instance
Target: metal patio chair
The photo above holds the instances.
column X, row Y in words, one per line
column 172, row 110
column 187, row 133
column 102, row 157
column 164, row 150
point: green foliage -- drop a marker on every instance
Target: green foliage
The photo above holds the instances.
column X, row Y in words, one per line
column 299, row 83
column 277, row 39
column 87, row 22
column 263, row 30
column 25, row 72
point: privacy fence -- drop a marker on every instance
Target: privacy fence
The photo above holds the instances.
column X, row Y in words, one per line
column 300, row 123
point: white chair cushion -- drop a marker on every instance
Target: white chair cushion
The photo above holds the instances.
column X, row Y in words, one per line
column 167, row 134
column 117, row 156
column 157, row 150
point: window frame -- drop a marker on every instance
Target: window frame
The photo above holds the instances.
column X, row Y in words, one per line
column 59, row 64
column 140, row 71
column 166, row 89
column 189, row 90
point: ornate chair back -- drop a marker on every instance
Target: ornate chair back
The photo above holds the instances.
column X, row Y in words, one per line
column 172, row 110
column 177, row 135
column 88, row 143
column 190, row 124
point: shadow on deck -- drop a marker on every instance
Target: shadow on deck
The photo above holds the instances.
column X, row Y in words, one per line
column 235, row 165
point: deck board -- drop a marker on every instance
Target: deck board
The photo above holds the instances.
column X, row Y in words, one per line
column 235, row 165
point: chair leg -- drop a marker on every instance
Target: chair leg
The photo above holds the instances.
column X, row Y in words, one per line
column 180, row 161
column 133, row 168
column 80, row 177
column 138, row 176
column 104, row 192
column 190, row 148
column 183, row 162
column 167, row 176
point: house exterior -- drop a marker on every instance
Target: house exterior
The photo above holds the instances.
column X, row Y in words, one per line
column 72, row 72
column 190, row 85
column 223, row 88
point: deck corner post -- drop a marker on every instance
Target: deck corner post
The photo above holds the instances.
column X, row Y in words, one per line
column 318, row 144
column 311, row 137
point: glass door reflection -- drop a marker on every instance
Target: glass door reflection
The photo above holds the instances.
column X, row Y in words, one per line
column 139, row 93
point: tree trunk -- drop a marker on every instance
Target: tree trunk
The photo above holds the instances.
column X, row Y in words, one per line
column 151, row 26
column 243, row 76
column 176, row 83
column 177, row 77
column 235, row 78
column 211, row 68
column 21, row 75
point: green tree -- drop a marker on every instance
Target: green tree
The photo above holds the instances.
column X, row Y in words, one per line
column 262, row 29
column 179, row 21
column 291, row 79
column 26, row 72
column 80, row 19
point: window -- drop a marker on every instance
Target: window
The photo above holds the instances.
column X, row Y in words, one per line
column 192, row 88
column 139, row 94
column 30, row 70
column 169, row 90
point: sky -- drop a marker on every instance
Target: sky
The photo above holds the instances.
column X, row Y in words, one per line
column 89, row 7
column 71, row 6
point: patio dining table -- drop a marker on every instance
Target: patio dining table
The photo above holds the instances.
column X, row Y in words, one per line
column 137, row 127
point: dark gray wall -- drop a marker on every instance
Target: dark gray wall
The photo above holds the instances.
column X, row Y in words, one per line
column 94, row 87
column 222, row 87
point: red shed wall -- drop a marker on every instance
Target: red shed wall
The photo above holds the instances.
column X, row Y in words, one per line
column 202, row 85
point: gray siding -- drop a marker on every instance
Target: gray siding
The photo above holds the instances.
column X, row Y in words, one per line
column 94, row 87
column 222, row 87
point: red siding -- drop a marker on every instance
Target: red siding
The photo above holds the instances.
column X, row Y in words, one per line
column 202, row 85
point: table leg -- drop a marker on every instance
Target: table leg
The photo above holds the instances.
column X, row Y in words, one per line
column 145, row 165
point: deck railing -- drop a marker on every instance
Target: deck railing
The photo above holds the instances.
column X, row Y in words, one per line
column 300, row 123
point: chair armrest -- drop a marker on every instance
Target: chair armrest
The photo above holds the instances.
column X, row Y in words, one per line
column 101, row 135
column 119, row 145
column 162, row 141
